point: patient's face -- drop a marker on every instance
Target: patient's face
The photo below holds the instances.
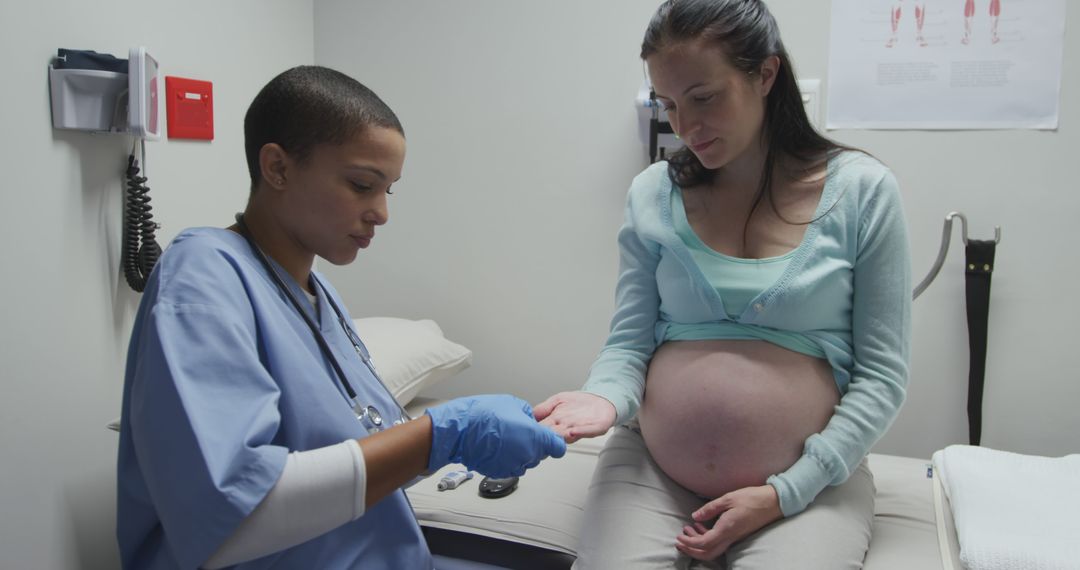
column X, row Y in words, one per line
column 338, row 196
column 716, row 109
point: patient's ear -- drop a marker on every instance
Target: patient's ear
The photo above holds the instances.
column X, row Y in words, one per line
column 768, row 72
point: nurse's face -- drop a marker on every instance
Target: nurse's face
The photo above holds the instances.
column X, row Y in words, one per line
column 717, row 110
column 338, row 196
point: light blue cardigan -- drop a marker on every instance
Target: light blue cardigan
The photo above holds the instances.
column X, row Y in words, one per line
column 847, row 288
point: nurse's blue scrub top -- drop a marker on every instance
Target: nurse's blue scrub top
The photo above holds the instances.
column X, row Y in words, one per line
column 223, row 380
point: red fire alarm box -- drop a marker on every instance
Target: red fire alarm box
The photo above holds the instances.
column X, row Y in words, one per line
column 189, row 105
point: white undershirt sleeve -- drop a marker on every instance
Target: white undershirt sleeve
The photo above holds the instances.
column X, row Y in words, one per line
column 318, row 491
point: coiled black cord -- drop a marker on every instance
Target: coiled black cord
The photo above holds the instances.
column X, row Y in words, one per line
column 140, row 250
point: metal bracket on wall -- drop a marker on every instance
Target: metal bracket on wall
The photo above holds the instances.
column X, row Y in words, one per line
column 946, row 232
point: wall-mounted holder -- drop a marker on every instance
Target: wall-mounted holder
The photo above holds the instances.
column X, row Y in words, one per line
column 97, row 92
column 88, row 99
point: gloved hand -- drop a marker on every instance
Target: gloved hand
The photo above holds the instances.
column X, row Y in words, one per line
column 496, row 436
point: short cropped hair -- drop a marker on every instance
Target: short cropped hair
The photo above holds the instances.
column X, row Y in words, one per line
column 307, row 106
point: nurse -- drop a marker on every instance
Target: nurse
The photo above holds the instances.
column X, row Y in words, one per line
column 254, row 432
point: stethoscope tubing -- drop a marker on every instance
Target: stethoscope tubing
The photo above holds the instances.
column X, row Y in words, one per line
column 366, row 414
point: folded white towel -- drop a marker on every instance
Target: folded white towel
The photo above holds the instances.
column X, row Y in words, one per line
column 1013, row 511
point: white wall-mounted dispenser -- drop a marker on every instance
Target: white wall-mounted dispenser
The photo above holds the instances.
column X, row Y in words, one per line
column 98, row 92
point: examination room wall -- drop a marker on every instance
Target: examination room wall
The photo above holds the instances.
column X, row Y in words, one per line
column 523, row 139
column 68, row 310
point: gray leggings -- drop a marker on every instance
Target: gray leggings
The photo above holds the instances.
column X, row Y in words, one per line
column 634, row 512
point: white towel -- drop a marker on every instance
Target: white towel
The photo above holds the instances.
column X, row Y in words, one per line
column 1013, row 511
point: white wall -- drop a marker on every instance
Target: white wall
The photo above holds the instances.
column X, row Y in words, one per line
column 522, row 141
column 68, row 312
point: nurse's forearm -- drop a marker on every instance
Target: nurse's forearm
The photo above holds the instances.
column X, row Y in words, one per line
column 395, row 456
column 318, row 491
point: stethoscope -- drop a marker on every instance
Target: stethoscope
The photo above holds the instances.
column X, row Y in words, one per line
column 369, row 416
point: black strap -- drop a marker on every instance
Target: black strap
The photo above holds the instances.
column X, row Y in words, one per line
column 979, row 267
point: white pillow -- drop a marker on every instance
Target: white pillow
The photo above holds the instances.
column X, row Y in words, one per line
column 411, row 355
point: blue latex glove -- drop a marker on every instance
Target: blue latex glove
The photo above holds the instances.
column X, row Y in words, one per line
column 496, row 436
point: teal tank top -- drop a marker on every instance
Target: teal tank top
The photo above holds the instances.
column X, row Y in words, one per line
column 738, row 281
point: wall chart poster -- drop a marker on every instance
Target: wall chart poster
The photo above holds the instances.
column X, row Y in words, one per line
column 945, row 64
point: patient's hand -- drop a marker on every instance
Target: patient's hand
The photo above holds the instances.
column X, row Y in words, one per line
column 575, row 415
column 742, row 512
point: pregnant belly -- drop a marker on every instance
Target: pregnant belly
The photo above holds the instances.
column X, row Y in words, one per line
column 719, row 415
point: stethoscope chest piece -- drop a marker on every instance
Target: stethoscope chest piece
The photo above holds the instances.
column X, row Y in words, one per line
column 369, row 416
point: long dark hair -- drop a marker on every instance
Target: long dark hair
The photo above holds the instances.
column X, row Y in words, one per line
column 747, row 33
column 310, row 105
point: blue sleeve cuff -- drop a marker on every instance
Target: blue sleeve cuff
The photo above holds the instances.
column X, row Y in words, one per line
column 800, row 484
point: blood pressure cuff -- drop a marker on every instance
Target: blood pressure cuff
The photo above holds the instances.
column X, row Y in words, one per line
column 86, row 59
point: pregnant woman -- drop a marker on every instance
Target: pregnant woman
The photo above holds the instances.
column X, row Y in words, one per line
column 759, row 345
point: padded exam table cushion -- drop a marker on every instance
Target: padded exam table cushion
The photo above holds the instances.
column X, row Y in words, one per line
column 546, row 510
